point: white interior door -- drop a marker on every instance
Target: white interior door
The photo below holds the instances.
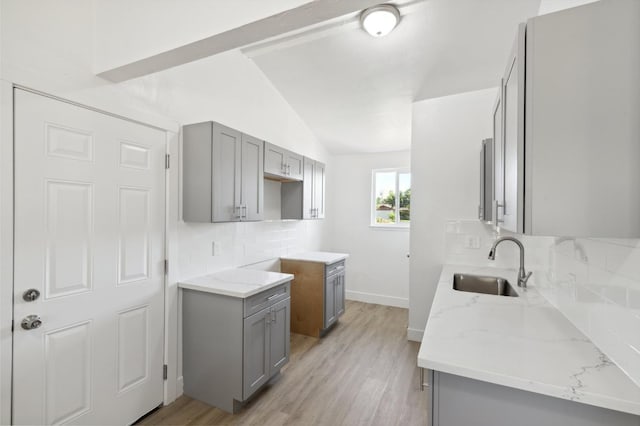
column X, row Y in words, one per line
column 89, row 237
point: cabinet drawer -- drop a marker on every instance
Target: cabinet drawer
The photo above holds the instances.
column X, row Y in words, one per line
column 266, row 298
column 335, row 268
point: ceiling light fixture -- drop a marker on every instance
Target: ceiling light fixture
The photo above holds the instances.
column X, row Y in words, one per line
column 380, row 20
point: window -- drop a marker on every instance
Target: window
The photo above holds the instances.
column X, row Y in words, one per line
column 391, row 199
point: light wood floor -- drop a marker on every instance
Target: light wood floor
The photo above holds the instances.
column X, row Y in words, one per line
column 363, row 372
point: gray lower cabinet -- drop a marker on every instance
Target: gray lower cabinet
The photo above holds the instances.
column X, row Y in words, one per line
column 317, row 294
column 223, row 174
column 456, row 400
column 334, row 293
column 233, row 346
column 266, row 345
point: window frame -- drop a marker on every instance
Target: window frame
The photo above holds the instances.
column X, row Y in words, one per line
column 372, row 220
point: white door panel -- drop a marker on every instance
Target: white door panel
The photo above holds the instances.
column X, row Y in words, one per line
column 89, row 235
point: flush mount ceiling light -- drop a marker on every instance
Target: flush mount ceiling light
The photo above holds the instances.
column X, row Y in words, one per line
column 380, row 20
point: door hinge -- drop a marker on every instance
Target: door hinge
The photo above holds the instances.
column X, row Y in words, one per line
column 166, row 267
column 12, row 325
column 164, row 372
column 167, row 161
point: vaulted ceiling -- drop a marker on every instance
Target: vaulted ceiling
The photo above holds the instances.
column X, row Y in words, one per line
column 355, row 91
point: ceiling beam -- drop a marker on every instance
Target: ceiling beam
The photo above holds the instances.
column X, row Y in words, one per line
column 311, row 13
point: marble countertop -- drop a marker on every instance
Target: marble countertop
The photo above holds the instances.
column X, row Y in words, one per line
column 237, row 282
column 317, row 256
column 521, row 342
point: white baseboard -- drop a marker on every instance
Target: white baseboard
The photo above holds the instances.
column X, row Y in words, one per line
column 414, row 334
column 180, row 386
column 378, row 299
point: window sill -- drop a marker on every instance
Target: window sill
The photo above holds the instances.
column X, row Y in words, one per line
column 391, row 227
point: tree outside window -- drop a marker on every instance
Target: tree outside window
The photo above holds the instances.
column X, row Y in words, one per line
column 391, row 204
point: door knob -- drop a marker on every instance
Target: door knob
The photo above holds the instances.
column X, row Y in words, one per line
column 31, row 322
column 30, row 295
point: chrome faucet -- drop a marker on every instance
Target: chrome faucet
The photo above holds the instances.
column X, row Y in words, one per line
column 522, row 276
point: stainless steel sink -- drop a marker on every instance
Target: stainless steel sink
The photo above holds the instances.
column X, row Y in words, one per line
column 485, row 285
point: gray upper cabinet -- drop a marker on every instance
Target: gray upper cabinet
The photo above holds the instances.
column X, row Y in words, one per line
column 295, row 165
column 282, row 164
column 252, row 179
column 498, row 160
column 318, row 190
column 486, row 181
column 570, row 146
column 223, row 173
column 306, row 199
column 513, row 137
column 313, row 191
column 307, row 188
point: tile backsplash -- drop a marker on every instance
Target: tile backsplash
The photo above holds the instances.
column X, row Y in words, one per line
column 595, row 283
column 241, row 243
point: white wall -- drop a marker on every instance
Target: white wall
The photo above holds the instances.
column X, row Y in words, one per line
column 160, row 25
column 378, row 266
column 231, row 89
column 446, row 138
column 550, row 6
column 595, row 283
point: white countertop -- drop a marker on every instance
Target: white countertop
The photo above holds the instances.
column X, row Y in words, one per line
column 522, row 342
column 238, row 282
column 317, row 256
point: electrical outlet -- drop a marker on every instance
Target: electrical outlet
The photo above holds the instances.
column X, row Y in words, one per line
column 216, row 248
column 472, row 242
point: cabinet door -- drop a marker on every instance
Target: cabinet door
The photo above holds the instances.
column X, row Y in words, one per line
column 252, row 198
column 498, row 160
column 318, row 190
column 487, row 179
column 256, row 351
column 513, row 135
column 279, row 332
column 275, row 160
column 330, row 300
column 225, row 175
column 295, row 165
column 340, row 289
column 307, row 189
column 482, row 184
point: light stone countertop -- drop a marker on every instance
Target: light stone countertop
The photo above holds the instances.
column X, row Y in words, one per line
column 317, row 256
column 521, row 342
column 237, row 282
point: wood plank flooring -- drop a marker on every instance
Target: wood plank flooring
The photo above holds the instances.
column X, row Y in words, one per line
column 363, row 372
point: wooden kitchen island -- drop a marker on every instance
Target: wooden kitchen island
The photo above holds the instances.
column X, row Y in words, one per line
column 317, row 291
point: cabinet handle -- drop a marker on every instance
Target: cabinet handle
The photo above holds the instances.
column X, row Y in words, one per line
column 274, row 296
column 238, row 209
column 497, row 205
column 244, row 206
column 289, row 169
